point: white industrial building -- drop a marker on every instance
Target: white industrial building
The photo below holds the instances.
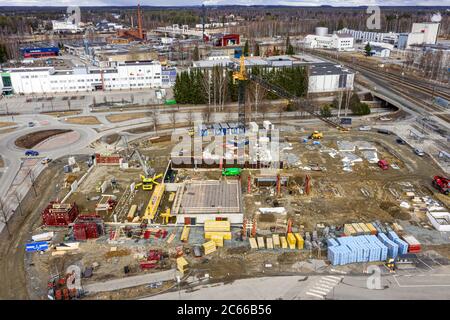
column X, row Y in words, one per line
column 327, row 77
column 66, row 26
column 421, row 34
column 337, row 41
column 365, row 36
column 125, row 75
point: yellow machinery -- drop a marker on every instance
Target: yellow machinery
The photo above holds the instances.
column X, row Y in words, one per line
column 148, row 182
column 316, row 135
column 390, row 264
column 166, row 216
column 154, row 202
column 240, row 75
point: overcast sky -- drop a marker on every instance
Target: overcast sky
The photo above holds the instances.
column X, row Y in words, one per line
column 221, row 2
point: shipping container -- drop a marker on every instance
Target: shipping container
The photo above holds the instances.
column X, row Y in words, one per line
column 283, row 241
column 261, row 244
column 276, row 240
column 291, row 240
column 413, row 244
column 300, row 241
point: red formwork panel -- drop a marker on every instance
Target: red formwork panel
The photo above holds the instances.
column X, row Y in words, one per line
column 56, row 214
column 110, row 159
column 88, row 227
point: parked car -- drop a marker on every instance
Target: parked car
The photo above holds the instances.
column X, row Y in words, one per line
column 365, row 128
column 383, row 131
column 400, row 141
column 383, row 164
column 419, row 152
column 46, row 160
column 31, row 153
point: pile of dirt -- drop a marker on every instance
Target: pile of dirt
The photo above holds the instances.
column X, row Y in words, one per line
column 238, row 250
column 395, row 211
column 112, row 138
column 30, row 140
column 267, row 217
column 117, row 253
column 287, row 257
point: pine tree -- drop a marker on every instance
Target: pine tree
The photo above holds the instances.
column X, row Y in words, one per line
column 196, row 54
column 246, row 49
column 289, row 47
column 257, row 53
column 368, row 49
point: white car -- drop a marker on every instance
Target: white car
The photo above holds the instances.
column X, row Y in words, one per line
column 46, row 160
column 419, row 152
column 365, row 128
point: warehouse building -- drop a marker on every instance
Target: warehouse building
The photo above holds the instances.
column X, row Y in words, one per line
column 64, row 78
column 328, row 77
column 324, row 77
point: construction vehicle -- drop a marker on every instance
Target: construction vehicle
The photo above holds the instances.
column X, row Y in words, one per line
column 241, row 76
column 231, row 172
column 390, row 264
column 148, row 182
column 442, row 184
column 316, row 135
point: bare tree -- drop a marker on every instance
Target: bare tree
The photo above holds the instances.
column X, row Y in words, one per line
column 190, row 118
column 155, row 120
column 17, row 196
column 32, row 180
column 4, row 216
column 173, row 119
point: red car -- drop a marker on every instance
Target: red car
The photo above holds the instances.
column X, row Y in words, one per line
column 383, row 164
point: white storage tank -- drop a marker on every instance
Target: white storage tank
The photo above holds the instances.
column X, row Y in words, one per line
column 321, row 31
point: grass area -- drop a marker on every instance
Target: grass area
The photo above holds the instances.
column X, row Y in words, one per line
column 126, row 116
column 6, row 124
column 59, row 114
column 30, row 140
column 88, row 120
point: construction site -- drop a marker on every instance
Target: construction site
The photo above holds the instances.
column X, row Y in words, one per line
column 135, row 212
column 142, row 217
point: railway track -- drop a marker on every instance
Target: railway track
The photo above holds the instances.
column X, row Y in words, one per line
column 435, row 110
column 410, row 83
column 406, row 84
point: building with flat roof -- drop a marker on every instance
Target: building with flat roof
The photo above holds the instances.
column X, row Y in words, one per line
column 67, row 78
column 198, row 201
column 337, row 41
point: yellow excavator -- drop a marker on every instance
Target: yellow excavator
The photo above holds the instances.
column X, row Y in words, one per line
column 149, row 182
column 316, row 135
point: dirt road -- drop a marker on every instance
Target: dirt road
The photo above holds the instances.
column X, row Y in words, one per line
column 12, row 251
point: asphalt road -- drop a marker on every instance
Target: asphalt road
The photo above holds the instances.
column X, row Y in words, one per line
column 337, row 287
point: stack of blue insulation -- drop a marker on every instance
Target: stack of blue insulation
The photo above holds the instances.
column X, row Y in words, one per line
column 392, row 246
column 402, row 245
column 331, row 242
column 379, row 247
column 345, row 250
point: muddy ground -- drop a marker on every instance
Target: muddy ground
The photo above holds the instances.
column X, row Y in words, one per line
column 336, row 197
